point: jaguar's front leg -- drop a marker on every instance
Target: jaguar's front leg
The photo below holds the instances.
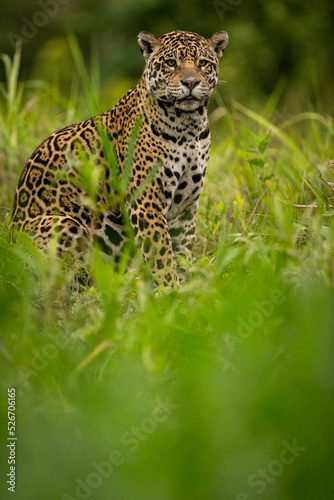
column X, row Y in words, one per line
column 151, row 233
column 182, row 230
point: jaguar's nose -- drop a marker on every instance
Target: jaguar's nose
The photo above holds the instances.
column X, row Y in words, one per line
column 190, row 82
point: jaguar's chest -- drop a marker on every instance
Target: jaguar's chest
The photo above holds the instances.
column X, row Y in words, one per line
column 183, row 173
column 185, row 158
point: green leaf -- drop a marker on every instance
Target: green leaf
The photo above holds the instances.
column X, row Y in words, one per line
column 255, row 140
column 329, row 213
column 264, row 143
column 250, row 150
column 256, row 161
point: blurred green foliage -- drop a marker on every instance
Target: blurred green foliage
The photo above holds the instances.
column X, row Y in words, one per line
column 195, row 393
column 285, row 42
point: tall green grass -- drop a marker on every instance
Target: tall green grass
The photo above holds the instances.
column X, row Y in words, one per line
column 219, row 389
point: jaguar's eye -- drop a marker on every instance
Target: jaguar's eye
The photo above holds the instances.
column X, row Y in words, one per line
column 171, row 63
column 202, row 63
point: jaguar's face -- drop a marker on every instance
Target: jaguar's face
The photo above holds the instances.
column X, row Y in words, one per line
column 182, row 67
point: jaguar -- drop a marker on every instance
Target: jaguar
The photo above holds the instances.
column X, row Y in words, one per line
column 149, row 154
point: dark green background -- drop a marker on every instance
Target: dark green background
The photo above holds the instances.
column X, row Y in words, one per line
column 289, row 43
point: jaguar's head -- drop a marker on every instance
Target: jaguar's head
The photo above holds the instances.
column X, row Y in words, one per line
column 182, row 67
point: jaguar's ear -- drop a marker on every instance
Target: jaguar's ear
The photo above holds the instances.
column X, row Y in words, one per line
column 218, row 42
column 148, row 43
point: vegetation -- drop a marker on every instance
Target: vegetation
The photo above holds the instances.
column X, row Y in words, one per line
column 219, row 389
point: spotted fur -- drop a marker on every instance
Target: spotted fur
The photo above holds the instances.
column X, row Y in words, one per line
column 173, row 140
